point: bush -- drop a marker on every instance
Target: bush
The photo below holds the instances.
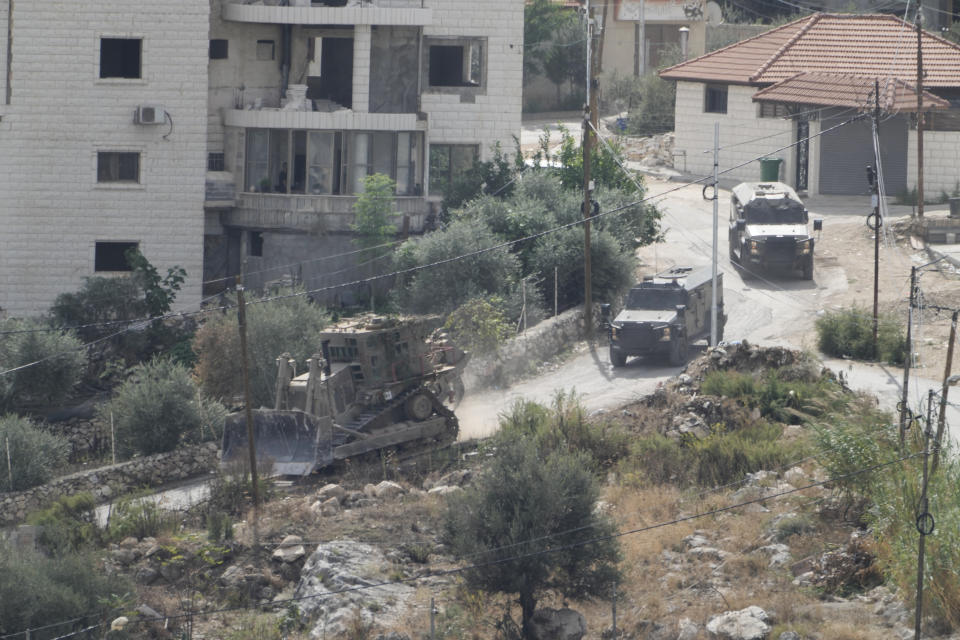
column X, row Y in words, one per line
column 612, row 268
column 69, row 524
column 139, row 516
column 36, row 590
column 154, row 408
column 35, row 455
column 230, row 488
column 291, row 325
column 849, row 333
column 446, row 287
column 479, row 325
column 789, row 401
column 374, row 211
column 59, row 358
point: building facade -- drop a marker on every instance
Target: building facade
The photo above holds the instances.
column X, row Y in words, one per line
column 233, row 136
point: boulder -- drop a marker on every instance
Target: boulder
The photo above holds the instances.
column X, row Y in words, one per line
column 687, row 629
column 331, row 491
column 290, row 550
column 386, row 490
column 442, row 490
column 746, row 624
column 558, row 624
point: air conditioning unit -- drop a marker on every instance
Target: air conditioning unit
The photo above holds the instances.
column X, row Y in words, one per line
column 149, row 114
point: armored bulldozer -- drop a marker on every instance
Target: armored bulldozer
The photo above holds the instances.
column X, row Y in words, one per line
column 378, row 382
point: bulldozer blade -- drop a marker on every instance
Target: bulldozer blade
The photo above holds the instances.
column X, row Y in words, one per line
column 293, row 442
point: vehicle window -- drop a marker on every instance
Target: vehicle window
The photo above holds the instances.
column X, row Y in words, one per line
column 656, row 298
column 775, row 211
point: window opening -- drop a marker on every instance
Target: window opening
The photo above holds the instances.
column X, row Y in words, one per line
column 715, row 99
column 120, row 57
column 219, row 49
column 448, row 162
column 215, row 161
column 456, row 65
column 265, row 49
column 118, row 166
column 112, row 256
column 256, row 244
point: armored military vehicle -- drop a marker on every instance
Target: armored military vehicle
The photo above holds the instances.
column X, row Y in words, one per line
column 664, row 314
column 378, row 382
column 768, row 228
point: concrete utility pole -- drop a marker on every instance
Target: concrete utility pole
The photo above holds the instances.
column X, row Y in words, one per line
column 874, row 179
column 589, row 122
column 919, row 109
column 716, row 218
column 908, row 362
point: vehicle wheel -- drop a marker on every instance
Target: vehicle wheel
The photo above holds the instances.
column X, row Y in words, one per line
column 418, row 407
column 808, row 269
column 617, row 358
column 678, row 351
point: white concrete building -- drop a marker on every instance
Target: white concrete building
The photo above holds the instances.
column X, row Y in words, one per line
column 81, row 177
column 234, row 135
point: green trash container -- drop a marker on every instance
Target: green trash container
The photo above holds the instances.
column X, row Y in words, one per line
column 770, row 169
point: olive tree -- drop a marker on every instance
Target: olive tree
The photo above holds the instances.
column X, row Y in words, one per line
column 34, row 456
column 528, row 526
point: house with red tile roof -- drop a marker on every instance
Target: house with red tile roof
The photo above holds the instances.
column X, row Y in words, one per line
column 803, row 92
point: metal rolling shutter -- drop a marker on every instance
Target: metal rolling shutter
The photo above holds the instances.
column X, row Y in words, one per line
column 847, row 150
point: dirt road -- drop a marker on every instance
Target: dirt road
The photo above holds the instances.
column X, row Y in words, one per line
column 765, row 309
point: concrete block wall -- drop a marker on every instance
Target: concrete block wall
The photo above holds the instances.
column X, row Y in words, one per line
column 941, row 162
column 494, row 116
column 694, row 134
column 61, row 114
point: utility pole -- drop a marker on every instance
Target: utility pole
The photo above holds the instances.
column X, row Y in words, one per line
column 242, row 322
column 874, row 179
column 589, row 121
column 919, row 109
column 716, row 217
column 942, row 421
column 924, row 520
column 904, row 406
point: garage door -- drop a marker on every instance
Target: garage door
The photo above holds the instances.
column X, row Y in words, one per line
column 846, row 151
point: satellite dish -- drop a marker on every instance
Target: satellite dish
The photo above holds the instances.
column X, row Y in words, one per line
column 713, row 13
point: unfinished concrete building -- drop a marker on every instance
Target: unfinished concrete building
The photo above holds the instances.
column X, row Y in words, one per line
column 306, row 99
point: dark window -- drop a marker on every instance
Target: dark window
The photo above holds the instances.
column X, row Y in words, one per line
column 218, row 49
column 256, row 244
column 112, row 256
column 215, row 161
column 265, row 49
column 448, row 162
column 773, row 110
column 457, row 64
column 715, row 99
column 118, row 166
column 120, row 57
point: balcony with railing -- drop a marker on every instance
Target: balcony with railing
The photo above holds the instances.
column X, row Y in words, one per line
column 330, row 12
column 314, row 214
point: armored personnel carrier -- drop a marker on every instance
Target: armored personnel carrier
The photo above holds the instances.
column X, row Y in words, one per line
column 377, row 382
column 664, row 314
column 768, row 228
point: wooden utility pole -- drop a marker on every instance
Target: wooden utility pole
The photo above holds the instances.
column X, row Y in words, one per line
column 242, row 322
column 942, row 420
column 875, row 183
column 908, row 362
column 919, row 109
column 589, row 122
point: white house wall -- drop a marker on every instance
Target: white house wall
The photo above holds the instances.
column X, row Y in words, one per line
column 740, row 126
column 495, row 114
column 941, row 162
column 52, row 210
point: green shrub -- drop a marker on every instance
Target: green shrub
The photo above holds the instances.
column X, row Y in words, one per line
column 655, row 113
column 219, row 526
column 35, row 456
column 59, row 361
column 36, row 590
column 139, row 516
column 849, row 333
column 69, row 524
column 444, row 288
column 796, row 525
column 230, row 488
column 374, row 211
column 788, row 401
column 479, row 325
column 291, row 325
column 154, row 408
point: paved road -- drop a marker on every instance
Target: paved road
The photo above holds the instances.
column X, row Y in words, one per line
column 768, row 309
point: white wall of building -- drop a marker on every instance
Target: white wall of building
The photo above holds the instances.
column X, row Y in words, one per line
column 941, row 162
column 739, row 126
column 52, row 210
column 494, row 115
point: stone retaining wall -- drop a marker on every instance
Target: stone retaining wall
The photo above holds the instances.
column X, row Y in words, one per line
column 113, row 480
column 522, row 355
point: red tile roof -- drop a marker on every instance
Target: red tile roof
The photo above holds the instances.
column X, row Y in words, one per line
column 844, row 90
column 875, row 46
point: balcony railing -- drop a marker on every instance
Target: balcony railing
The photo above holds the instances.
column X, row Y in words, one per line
column 316, row 214
column 372, row 12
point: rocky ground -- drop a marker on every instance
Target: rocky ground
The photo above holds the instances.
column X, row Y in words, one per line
column 777, row 557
